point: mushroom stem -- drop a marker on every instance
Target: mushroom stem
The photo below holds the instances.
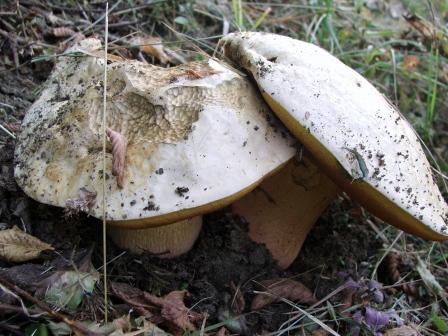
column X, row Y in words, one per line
column 284, row 208
column 167, row 241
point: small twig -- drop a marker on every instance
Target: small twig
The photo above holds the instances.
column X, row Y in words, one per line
column 7, row 132
column 15, row 309
column 74, row 325
column 106, row 33
column 378, row 232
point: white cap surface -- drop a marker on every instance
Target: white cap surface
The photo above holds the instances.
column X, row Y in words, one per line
column 336, row 112
column 198, row 136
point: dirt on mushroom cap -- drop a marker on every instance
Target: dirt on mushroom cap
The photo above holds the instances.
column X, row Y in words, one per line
column 359, row 138
column 209, row 133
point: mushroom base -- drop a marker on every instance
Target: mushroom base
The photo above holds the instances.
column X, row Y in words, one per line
column 167, row 241
column 284, row 208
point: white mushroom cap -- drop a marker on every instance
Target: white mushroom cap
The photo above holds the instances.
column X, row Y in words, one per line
column 358, row 138
column 198, row 137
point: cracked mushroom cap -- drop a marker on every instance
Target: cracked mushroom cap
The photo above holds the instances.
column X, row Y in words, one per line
column 198, row 137
column 355, row 134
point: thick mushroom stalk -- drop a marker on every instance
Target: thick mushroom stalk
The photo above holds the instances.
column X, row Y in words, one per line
column 358, row 138
column 284, row 208
column 166, row 241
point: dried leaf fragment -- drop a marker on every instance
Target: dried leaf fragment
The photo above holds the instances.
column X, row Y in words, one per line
column 18, row 246
column 62, row 32
column 173, row 310
column 221, row 332
column 119, row 144
column 402, row 331
column 424, row 27
column 134, row 297
column 149, row 328
column 199, row 74
column 429, row 31
column 84, row 203
column 320, row 332
column 411, row 62
column 393, row 263
column 152, row 46
column 282, row 288
column 100, row 54
column 169, row 309
column 67, row 289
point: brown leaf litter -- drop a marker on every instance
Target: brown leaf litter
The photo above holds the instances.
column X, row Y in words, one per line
column 282, row 288
column 393, row 264
column 151, row 46
column 169, row 309
column 402, row 331
column 18, row 246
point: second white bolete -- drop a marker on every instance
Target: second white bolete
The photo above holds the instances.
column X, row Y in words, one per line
column 356, row 136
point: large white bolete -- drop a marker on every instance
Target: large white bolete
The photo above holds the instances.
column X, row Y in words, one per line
column 198, row 137
column 356, row 136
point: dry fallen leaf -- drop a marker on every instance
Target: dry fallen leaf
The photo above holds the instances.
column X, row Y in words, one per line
column 134, row 297
column 347, row 300
column 151, row 46
column 282, row 288
column 169, row 309
column 429, row 31
column 173, row 310
column 221, row 332
column 62, row 32
column 402, row 331
column 18, row 246
column 424, row 27
column 119, row 144
column 393, row 263
column 68, row 289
